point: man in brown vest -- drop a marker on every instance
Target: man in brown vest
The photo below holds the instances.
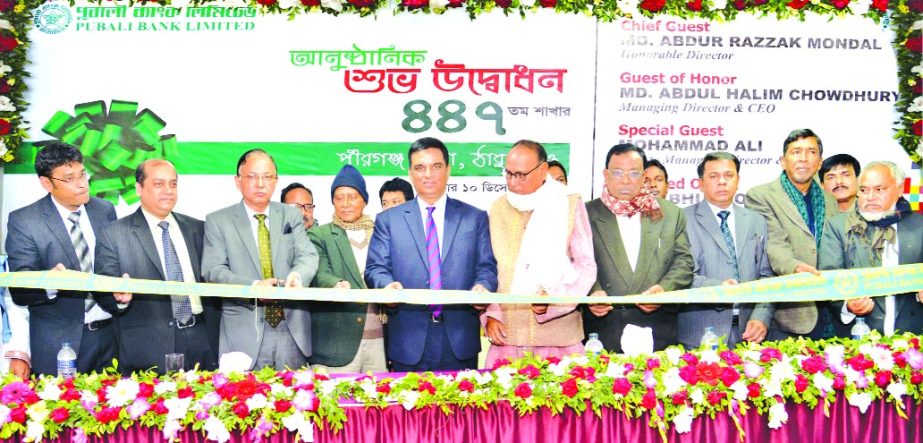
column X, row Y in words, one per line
column 541, row 238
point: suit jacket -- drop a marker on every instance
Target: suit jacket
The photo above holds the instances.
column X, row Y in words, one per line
column 790, row 243
column 664, row 259
column 397, row 252
column 713, row 265
column 127, row 246
column 839, row 251
column 232, row 256
column 37, row 240
column 336, row 328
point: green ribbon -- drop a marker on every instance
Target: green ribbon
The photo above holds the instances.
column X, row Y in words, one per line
column 831, row 285
column 113, row 143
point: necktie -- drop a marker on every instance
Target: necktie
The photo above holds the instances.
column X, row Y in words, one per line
column 182, row 310
column 83, row 253
column 434, row 258
column 729, row 241
column 273, row 309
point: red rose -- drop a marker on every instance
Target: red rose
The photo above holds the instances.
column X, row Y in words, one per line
column 70, row 395
column 729, row 376
column 530, row 371
column 653, row 5
column 883, row 378
column 59, row 415
column 708, row 372
column 759, row 2
column 899, row 359
column 689, row 358
column 569, row 387
column 548, row 3
column 740, row 5
column 695, row 5
column 917, row 88
column 839, row 383
column 241, row 410
column 503, row 3
column 362, row 3
column 916, row 378
column 500, row 363
column 266, row 2
column 145, row 390
column 680, row 397
column 813, row 365
column 731, row 358
column 6, row 5
column 523, row 391
column 839, row 4
column 914, row 5
column 688, row 374
column 310, row 3
column 106, row 415
column 653, row 363
column 101, row 394
column 426, row 386
column 414, row 3
column 621, row 386
column 915, row 342
column 586, row 373
column 159, row 407
column 456, row 3
column 881, row 5
column 282, row 405
column 18, row 415
column 185, row 392
column 918, row 127
column 798, row 4
column 383, row 388
column 551, row 359
column 801, row 383
column 860, row 363
column 715, row 397
column 753, row 390
column 649, row 400
column 769, row 354
column 466, row 385
column 30, row 397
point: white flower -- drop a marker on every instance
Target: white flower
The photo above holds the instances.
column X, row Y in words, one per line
column 860, row 400
column 122, row 392
column 51, row 392
column 581, row 360
column 719, row 4
column 336, row 5
column 709, row 356
column 629, row 7
column 527, row 3
column 285, row 4
column 438, row 4
column 483, row 378
column 280, row 390
column 4, row 24
column 882, row 357
column 740, row 390
column 683, row 421
column 297, row 423
column 304, row 400
column 34, row 431
column 6, row 105
column 897, row 390
column 170, row 429
column 38, row 411
column 258, row 401
column 504, row 376
column 303, row 377
column 916, row 25
column 4, row 414
column 191, row 376
column 918, row 69
column 4, row 68
column 232, row 362
column 900, row 344
column 328, row 386
column 851, row 374
column 177, row 407
column 558, row 369
column 697, row 396
column 771, row 388
column 2, row 148
column 369, row 388
column 673, row 354
column 672, row 382
column 916, row 106
column 860, row 7
column 777, row 415
column 822, row 382
column 615, row 370
column 752, row 355
column 782, row 370
column 752, row 370
column 164, row 387
column 408, row 399
column 215, row 430
column 292, row 422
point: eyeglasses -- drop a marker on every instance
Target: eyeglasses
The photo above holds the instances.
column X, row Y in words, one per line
column 253, row 178
column 618, row 174
column 519, row 176
column 71, row 179
column 304, row 207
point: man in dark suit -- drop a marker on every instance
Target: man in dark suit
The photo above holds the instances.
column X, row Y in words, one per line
column 881, row 231
column 728, row 243
column 641, row 247
column 59, row 232
column 156, row 243
column 432, row 242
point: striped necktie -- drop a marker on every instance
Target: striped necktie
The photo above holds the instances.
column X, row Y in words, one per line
column 83, row 253
column 273, row 309
column 182, row 309
column 729, row 241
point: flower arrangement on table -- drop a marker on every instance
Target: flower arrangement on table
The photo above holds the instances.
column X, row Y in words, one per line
column 673, row 387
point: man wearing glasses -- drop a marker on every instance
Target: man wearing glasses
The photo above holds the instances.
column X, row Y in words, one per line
column 59, row 232
column 261, row 243
column 298, row 196
column 641, row 247
column 541, row 238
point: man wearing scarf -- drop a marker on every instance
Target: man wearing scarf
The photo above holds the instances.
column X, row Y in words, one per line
column 541, row 239
column 348, row 337
column 796, row 208
column 641, row 247
column 881, row 231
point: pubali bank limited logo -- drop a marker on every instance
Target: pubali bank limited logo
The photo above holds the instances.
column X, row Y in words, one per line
column 52, row 17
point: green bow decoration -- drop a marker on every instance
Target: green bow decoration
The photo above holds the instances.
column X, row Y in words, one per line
column 113, row 143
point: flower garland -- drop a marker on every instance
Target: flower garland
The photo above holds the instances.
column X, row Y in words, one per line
column 674, row 387
column 901, row 15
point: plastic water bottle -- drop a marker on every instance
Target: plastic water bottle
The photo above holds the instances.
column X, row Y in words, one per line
column 593, row 345
column 67, row 361
column 860, row 329
column 709, row 339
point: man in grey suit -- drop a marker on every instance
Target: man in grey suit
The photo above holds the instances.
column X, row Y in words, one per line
column 59, row 232
column 263, row 243
column 882, row 231
column 156, row 243
column 796, row 209
column 728, row 243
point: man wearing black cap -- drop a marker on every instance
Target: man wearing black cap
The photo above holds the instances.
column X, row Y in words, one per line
column 348, row 337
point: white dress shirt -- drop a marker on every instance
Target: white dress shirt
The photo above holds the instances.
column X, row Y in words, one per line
column 731, row 223
column 630, row 231
column 179, row 245
column 438, row 218
column 95, row 313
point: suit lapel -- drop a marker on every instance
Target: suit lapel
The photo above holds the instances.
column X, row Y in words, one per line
column 612, row 238
column 189, row 236
column 142, row 231
column 709, row 223
column 242, row 224
column 415, row 225
column 276, row 221
column 56, row 226
column 98, row 220
column 346, row 252
column 452, row 220
column 743, row 228
column 650, row 240
column 791, row 211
